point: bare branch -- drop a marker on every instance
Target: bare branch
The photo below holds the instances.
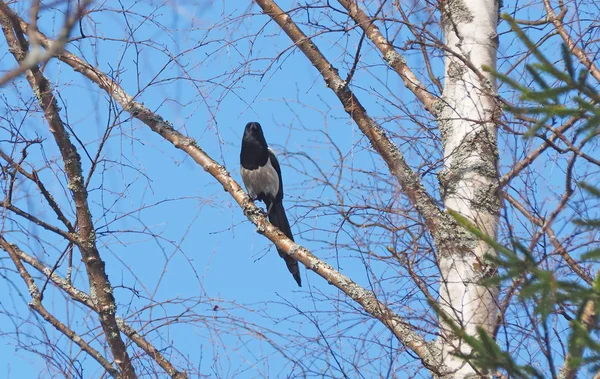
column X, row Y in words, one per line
column 389, row 53
column 36, row 304
column 36, row 56
column 33, row 176
column 527, row 161
column 555, row 242
column 441, row 226
column 83, row 298
column 16, row 210
column 95, row 267
column 557, row 21
column 588, row 319
column 402, row 330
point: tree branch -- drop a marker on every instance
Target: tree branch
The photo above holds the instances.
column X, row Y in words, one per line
column 447, row 234
column 36, row 304
column 528, row 160
column 560, row 250
column 95, row 267
column 580, row 54
column 71, row 237
column 587, row 319
column 33, row 176
column 390, row 55
column 83, row 298
column 36, row 56
column 427, row 352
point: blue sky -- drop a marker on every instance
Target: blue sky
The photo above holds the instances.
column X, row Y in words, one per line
column 214, row 256
column 173, row 240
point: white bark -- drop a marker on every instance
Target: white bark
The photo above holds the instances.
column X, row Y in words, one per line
column 469, row 179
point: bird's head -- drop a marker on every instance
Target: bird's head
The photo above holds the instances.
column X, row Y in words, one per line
column 253, row 129
column 255, row 151
column 253, row 134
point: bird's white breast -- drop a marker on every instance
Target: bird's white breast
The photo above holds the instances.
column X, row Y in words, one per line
column 264, row 180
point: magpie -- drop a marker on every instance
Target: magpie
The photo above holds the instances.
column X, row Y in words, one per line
column 262, row 177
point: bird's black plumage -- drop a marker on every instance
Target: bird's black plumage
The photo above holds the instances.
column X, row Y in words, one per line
column 261, row 174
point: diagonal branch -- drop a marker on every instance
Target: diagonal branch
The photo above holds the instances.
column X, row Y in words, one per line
column 427, row 352
column 557, row 21
column 33, row 176
column 527, row 161
column 560, row 249
column 36, row 305
column 35, row 56
column 49, row 227
column 390, row 55
column 447, row 234
column 83, row 298
column 95, row 267
column 586, row 320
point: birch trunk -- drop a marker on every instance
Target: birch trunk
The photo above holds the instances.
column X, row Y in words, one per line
column 470, row 175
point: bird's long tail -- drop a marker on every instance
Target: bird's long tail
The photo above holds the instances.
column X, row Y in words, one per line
column 278, row 218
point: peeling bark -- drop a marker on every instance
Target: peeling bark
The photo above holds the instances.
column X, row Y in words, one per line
column 469, row 180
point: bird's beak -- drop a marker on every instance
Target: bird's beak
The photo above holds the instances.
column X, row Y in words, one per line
column 252, row 127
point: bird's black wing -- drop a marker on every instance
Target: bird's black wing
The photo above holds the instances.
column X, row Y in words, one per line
column 278, row 218
column 275, row 164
